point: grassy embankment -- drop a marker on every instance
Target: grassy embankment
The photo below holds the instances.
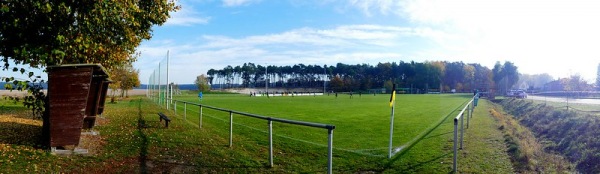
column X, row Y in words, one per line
column 572, row 134
column 527, row 152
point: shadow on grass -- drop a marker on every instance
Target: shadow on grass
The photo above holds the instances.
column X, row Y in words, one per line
column 432, row 160
column 204, row 144
column 20, row 134
column 146, row 124
column 144, row 141
column 17, row 127
column 211, row 167
column 439, row 135
column 422, row 137
column 415, row 166
column 159, row 128
column 174, row 164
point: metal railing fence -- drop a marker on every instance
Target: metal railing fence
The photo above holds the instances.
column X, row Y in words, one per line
column 269, row 120
column 469, row 109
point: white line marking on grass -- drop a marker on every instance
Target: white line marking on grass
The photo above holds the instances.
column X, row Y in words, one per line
column 425, row 132
column 396, row 150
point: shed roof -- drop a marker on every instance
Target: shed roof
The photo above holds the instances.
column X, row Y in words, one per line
column 98, row 69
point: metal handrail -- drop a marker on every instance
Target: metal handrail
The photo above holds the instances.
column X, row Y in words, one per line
column 460, row 117
column 296, row 122
column 329, row 128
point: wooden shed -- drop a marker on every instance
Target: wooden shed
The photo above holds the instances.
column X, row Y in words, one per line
column 76, row 94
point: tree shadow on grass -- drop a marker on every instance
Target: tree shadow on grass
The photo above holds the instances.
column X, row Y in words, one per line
column 143, row 155
column 396, row 157
column 203, row 166
column 14, row 131
column 158, row 127
column 146, row 124
column 432, row 160
column 173, row 142
column 438, row 135
column 416, row 166
column 167, row 164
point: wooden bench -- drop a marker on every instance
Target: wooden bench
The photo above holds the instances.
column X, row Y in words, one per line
column 164, row 117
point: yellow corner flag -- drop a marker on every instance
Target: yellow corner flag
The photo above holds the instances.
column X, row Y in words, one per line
column 393, row 96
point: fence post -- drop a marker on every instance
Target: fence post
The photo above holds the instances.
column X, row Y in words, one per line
column 175, row 108
column 454, row 165
column 468, row 115
column 200, row 125
column 230, row 129
column 462, row 129
column 270, row 142
column 184, row 110
column 472, row 107
column 330, row 150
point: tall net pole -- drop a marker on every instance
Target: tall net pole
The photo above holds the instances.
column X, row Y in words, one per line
column 266, row 80
column 169, row 91
column 160, row 97
column 158, row 88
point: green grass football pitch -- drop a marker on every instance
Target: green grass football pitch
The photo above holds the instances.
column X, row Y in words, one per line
column 362, row 122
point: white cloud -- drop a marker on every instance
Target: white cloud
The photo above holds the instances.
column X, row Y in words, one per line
column 347, row 44
column 561, row 34
column 343, row 35
column 539, row 36
column 186, row 16
column 557, row 37
column 235, row 3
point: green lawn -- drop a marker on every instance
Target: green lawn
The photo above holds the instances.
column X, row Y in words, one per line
column 133, row 140
column 422, row 122
column 362, row 123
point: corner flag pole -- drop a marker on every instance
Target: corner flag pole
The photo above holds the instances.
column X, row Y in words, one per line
column 392, row 104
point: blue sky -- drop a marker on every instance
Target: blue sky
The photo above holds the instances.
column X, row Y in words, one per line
column 556, row 37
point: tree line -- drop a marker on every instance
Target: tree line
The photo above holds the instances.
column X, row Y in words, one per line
column 545, row 82
column 411, row 77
